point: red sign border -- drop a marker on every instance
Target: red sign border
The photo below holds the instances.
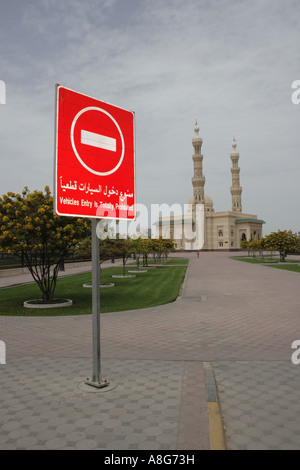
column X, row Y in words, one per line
column 57, row 87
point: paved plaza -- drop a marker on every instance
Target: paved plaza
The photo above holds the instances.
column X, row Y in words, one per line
column 227, row 339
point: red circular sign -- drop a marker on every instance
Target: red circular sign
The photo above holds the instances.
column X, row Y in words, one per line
column 97, row 140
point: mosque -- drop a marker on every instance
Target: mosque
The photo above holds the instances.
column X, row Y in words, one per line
column 201, row 228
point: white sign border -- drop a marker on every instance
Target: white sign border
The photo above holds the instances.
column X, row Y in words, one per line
column 95, row 108
column 56, row 212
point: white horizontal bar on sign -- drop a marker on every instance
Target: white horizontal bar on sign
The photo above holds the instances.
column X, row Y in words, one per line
column 98, row 140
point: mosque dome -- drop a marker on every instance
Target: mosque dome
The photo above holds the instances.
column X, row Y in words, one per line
column 208, row 202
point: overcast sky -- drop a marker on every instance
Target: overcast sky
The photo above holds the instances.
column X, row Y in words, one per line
column 229, row 64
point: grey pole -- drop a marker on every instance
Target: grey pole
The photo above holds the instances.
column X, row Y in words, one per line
column 96, row 380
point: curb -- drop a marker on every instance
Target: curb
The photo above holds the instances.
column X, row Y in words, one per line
column 183, row 284
column 215, row 424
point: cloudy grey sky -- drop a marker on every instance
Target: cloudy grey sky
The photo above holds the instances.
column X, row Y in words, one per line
column 229, row 64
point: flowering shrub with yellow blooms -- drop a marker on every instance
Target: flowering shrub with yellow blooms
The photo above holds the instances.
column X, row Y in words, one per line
column 283, row 241
column 30, row 230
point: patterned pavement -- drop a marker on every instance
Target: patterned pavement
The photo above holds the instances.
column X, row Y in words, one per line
column 239, row 318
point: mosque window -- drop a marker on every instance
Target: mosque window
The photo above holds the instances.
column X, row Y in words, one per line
column 220, row 233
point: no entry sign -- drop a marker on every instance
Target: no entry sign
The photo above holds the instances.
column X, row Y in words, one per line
column 94, row 158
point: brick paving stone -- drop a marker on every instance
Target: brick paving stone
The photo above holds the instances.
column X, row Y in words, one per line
column 241, row 318
column 24, row 442
column 272, row 422
column 86, row 444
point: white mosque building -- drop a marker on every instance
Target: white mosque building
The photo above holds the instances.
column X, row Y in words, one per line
column 201, row 228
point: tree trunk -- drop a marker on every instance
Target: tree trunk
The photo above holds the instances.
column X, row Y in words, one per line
column 282, row 256
column 40, row 269
column 124, row 261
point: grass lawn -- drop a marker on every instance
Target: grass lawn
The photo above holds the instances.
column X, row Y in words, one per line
column 163, row 262
column 172, row 261
column 291, row 265
column 286, row 267
column 248, row 259
column 154, row 287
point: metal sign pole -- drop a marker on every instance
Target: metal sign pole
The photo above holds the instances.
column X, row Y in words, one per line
column 96, row 375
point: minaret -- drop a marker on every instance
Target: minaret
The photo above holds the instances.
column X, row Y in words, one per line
column 236, row 189
column 198, row 180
